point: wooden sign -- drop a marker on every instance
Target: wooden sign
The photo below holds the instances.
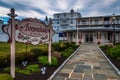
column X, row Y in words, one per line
column 32, row 31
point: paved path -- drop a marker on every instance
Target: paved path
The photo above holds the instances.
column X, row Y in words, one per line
column 87, row 64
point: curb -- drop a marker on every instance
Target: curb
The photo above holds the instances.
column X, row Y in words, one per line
column 53, row 75
column 115, row 68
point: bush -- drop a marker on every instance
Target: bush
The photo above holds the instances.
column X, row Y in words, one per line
column 44, row 60
column 5, row 77
column 114, row 52
column 22, row 56
column 56, row 46
column 30, row 56
column 118, row 58
column 67, row 52
column 104, row 47
column 3, row 60
column 7, row 69
column 37, row 51
column 33, row 68
column 27, row 72
column 19, row 57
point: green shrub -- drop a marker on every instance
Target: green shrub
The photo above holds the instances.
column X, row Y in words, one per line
column 27, row 72
column 19, row 57
column 114, row 52
column 56, row 46
column 7, row 69
column 67, row 52
column 118, row 58
column 37, row 51
column 29, row 69
column 4, row 76
column 29, row 56
column 104, row 47
column 22, row 56
column 3, row 60
column 33, row 68
column 44, row 60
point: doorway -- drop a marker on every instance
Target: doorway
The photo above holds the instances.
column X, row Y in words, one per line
column 89, row 37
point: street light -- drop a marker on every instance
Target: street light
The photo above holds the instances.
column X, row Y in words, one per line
column 114, row 35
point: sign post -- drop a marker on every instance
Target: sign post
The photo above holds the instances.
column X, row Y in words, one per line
column 49, row 44
column 12, row 15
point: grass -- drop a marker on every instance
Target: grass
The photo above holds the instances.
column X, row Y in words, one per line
column 20, row 47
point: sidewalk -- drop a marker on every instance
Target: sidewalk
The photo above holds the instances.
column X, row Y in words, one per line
column 87, row 64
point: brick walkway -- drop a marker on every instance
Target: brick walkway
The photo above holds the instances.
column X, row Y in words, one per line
column 87, row 64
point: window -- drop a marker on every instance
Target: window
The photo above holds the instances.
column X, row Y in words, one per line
column 83, row 21
column 117, row 21
column 90, row 21
column 64, row 21
column 71, row 22
column 58, row 22
column 96, row 21
column 64, row 14
column 58, row 16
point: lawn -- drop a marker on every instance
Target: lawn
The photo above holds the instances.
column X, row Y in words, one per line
column 20, row 47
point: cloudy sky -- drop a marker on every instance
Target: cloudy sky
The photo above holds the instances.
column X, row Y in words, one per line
column 41, row 8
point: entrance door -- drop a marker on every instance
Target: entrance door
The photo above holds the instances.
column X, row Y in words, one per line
column 89, row 37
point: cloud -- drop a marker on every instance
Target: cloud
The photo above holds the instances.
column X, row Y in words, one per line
column 42, row 8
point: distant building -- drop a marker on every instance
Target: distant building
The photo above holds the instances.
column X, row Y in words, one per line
column 64, row 21
column 98, row 29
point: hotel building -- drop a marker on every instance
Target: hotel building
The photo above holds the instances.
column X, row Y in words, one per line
column 97, row 29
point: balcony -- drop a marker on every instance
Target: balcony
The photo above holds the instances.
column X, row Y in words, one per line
column 64, row 24
column 106, row 22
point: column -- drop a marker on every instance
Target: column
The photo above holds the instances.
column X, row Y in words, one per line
column 99, row 36
column 80, row 37
column 67, row 36
column 118, row 37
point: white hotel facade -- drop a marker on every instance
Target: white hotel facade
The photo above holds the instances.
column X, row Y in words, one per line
column 73, row 27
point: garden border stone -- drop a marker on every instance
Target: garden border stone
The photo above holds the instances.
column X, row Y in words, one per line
column 115, row 68
column 53, row 75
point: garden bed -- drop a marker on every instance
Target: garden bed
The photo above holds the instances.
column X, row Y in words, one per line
column 39, row 75
column 37, row 59
column 114, row 60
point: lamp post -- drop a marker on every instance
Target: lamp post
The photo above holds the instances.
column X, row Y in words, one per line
column 114, row 32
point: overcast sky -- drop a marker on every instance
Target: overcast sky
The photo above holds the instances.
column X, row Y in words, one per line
column 41, row 8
